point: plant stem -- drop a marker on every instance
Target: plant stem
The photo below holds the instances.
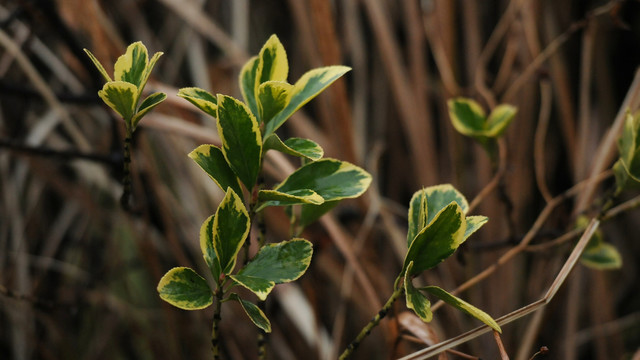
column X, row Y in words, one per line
column 374, row 321
column 262, row 336
column 126, row 172
column 217, row 316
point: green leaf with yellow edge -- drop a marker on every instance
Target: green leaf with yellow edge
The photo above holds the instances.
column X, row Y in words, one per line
column 437, row 241
column 256, row 315
column 499, row 119
column 416, row 301
column 294, row 197
column 98, row 65
column 629, row 145
column 332, row 179
column 604, row 256
column 206, row 245
column 299, row 147
column 275, row 263
column 202, row 99
column 130, row 66
column 473, row 224
column 147, row 71
column 248, row 80
column 121, row 97
column 417, row 215
column 273, row 96
column 463, row 306
column 306, row 88
column 212, row 161
column 147, row 104
column 440, row 196
column 230, row 229
column 241, row 139
column 273, row 63
column 184, row 288
column 467, row 116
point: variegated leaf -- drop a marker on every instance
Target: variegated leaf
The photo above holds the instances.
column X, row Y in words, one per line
column 212, row 161
column 277, row 198
column 241, row 139
column 463, row 306
column 121, row 97
column 184, row 288
column 206, row 246
column 273, row 62
column 306, row 88
column 273, row 96
column 131, row 66
column 437, row 241
column 255, row 314
column 202, row 99
column 299, row 147
column 230, row 229
column 248, row 80
column 416, row 301
column 98, row 65
column 147, row 104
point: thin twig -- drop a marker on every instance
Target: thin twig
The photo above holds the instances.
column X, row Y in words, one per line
column 503, row 352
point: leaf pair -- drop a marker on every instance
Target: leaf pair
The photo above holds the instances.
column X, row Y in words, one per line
column 123, row 92
column 263, row 81
column 468, row 117
column 599, row 254
column 221, row 238
column 437, row 226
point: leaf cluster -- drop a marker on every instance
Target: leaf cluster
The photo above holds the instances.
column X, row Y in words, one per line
column 247, row 131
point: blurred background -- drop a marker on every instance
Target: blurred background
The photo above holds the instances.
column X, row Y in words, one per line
column 78, row 274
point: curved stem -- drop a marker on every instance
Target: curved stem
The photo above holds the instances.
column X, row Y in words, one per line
column 374, row 321
column 215, row 339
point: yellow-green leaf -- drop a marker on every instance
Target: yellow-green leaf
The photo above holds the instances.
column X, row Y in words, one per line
column 147, row 70
column 629, row 146
column 184, row 288
column 463, row 306
column 131, row 66
column 306, row 88
column 208, row 251
column 273, row 96
column 332, row 179
column 294, row 197
column 417, row 215
column 273, row 62
column 473, row 224
column 241, row 139
column 467, row 116
column 275, row 264
column 202, row 99
column 98, row 65
column 416, row 301
column 437, row 241
column 248, row 80
column 147, row 104
column 255, row 314
column 121, row 97
column 604, row 256
column 499, row 119
column 212, row 161
column 299, row 147
column 230, row 229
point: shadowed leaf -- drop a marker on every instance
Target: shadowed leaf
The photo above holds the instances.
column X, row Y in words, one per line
column 230, row 229
column 255, row 314
column 463, row 306
column 212, row 161
column 415, row 300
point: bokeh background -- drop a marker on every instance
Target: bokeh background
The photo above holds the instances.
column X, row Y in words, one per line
column 78, row 274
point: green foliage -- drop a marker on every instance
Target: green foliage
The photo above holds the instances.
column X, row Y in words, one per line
column 598, row 254
column 123, row 92
column 628, row 165
column 437, row 226
column 247, row 131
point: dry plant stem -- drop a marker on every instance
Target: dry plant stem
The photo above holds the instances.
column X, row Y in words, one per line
column 215, row 339
column 503, row 352
column 540, row 136
column 497, row 177
column 506, row 319
column 552, row 48
column 374, row 321
column 262, row 336
column 537, row 225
